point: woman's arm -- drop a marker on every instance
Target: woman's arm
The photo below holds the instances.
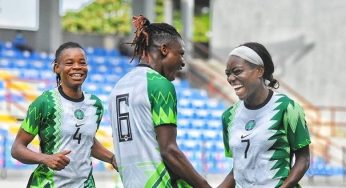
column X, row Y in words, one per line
column 101, row 153
column 228, row 182
column 22, row 153
column 301, row 165
column 175, row 159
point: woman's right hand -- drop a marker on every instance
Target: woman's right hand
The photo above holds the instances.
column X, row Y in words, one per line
column 57, row 161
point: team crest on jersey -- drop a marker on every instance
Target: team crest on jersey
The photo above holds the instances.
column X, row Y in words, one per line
column 250, row 125
column 79, row 114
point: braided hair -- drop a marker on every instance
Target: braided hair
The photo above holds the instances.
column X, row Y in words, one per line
column 267, row 61
column 147, row 35
column 58, row 52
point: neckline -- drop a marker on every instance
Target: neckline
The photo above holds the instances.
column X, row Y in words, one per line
column 270, row 94
column 69, row 98
column 143, row 65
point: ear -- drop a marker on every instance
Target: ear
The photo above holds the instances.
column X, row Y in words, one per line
column 164, row 49
column 260, row 70
column 56, row 68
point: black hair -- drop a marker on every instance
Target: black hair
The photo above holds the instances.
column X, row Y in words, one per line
column 267, row 61
column 148, row 33
column 58, row 52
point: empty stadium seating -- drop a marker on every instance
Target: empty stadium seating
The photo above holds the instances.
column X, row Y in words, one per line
column 199, row 132
column 199, row 124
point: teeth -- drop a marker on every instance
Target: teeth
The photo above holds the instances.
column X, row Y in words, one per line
column 76, row 75
column 237, row 86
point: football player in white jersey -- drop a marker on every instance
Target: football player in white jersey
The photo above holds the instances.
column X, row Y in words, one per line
column 265, row 129
column 66, row 120
column 143, row 107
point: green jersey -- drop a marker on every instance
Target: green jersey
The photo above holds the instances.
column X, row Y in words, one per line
column 261, row 141
column 62, row 123
column 140, row 101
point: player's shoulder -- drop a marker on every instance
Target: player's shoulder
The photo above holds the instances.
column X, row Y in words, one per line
column 159, row 81
column 281, row 96
column 231, row 110
column 44, row 98
column 287, row 101
column 93, row 97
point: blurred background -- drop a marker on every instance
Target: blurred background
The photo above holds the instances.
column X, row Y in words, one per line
column 306, row 39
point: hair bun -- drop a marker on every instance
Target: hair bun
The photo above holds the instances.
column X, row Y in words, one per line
column 140, row 21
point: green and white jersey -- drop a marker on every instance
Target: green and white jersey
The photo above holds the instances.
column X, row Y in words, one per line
column 139, row 102
column 64, row 124
column 261, row 141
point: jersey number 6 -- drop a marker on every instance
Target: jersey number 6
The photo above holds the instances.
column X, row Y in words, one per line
column 123, row 118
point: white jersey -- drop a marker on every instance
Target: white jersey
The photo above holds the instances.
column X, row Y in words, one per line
column 64, row 124
column 261, row 141
column 139, row 102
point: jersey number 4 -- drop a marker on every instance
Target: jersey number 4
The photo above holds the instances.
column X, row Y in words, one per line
column 123, row 118
column 77, row 135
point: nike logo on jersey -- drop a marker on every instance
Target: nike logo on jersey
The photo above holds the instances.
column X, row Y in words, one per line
column 78, row 125
column 242, row 136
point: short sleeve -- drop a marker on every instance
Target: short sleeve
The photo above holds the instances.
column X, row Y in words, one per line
column 227, row 119
column 99, row 109
column 163, row 100
column 225, row 133
column 34, row 116
column 296, row 127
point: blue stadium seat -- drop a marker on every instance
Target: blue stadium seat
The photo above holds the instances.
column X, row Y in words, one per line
column 5, row 63
column 10, row 53
column 112, row 53
column 20, row 63
column 185, row 112
column 183, row 103
column 2, row 85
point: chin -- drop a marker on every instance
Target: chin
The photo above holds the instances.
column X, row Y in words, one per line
column 241, row 97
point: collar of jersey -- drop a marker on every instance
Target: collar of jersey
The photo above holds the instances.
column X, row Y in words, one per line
column 143, row 65
column 69, row 98
column 270, row 94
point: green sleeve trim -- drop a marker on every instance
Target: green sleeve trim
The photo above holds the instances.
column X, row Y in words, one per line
column 34, row 115
column 162, row 97
column 99, row 109
column 296, row 127
column 227, row 118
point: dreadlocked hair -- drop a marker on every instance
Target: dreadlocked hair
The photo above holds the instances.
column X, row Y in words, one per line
column 147, row 34
column 58, row 52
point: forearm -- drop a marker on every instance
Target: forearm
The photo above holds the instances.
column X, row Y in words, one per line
column 27, row 156
column 298, row 170
column 228, row 182
column 100, row 152
column 179, row 164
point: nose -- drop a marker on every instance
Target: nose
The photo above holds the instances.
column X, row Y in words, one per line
column 231, row 77
column 76, row 65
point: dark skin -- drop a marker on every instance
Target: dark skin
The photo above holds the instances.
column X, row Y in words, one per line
column 72, row 67
column 21, row 152
column 297, row 172
column 247, row 80
column 168, row 60
column 175, row 159
column 299, row 168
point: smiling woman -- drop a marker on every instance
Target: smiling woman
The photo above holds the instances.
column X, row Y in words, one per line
column 66, row 120
column 265, row 129
column 70, row 66
column 143, row 107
